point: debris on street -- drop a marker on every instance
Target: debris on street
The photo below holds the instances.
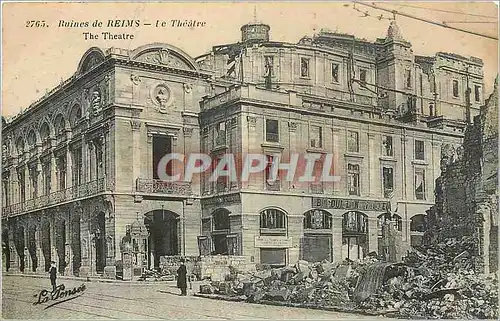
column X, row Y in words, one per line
column 434, row 282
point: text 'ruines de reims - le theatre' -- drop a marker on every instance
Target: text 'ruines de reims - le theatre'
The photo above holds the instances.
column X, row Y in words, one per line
column 79, row 178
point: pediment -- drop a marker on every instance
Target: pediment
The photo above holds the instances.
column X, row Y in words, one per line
column 165, row 55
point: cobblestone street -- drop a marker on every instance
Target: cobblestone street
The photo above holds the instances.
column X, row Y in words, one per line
column 131, row 301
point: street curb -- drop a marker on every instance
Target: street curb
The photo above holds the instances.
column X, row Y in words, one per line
column 291, row 304
column 92, row 279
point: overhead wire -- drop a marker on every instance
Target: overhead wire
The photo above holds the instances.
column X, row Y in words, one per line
column 447, row 11
column 395, row 12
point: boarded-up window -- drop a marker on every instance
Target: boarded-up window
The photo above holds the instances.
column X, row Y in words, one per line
column 273, row 256
column 316, row 248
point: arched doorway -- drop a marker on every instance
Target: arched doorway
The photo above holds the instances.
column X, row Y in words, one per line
column 316, row 243
column 46, row 246
column 273, row 222
column 220, row 230
column 163, row 227
column 32, row 247
column 5, row 249
column 60, row 240
column 418, row 225
column 19, row 244
column 382, row 220
column 98, row 231
column 354, row 235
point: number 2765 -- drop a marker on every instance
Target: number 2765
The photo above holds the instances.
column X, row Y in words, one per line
column 36, row 24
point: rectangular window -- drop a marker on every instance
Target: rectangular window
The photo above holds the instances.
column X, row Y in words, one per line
column 408, row 78
column 419, row 150
column 220, row 134
column 272, row 130
column 477, row 95
column 335, row 72
column 455, row 88
column 273, row 257
column 419, row 184
column 46, row 178
column 353, row 142
column 22, row 187
column 61, row 172
column 388, row 181
column 304, row 67
column 363, row 77
column 387, row 146
column 353, row 179
column 34, row 182
column 161, row 146
column 316, row 137
column 269, row 65
column 77, row 167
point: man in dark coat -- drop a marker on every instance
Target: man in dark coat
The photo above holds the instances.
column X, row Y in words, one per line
column 53, row 274
column 181, row 278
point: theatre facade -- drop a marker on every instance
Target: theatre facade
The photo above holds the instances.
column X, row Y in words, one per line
column 80, row 181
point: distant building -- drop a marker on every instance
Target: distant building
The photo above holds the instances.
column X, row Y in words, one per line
column 80, row 164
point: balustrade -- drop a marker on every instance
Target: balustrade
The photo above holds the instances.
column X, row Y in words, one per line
column 68, row 194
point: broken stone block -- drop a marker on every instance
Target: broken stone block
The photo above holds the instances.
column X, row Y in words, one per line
column 303, row 266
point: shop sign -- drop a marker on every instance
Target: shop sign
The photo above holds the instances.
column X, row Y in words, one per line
column 273, row 241
column 351, row 204
column 222, row 200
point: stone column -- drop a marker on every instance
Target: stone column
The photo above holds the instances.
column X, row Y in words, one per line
column 68, row 251
column 337, row 166
column 28, row 262
column 40, row 258
column 14, row 256
column 372, row 234
column 39, row 178
column 53, row 174
column 69, row 168
column 337, row 238
column 136, row 149
column 372, row 167
column 52, row 235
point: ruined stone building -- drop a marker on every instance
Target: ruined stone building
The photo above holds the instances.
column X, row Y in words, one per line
column 79, row 165
column 467, row 190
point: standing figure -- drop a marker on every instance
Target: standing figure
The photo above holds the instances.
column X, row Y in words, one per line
column 181, row 278
column 53, row 274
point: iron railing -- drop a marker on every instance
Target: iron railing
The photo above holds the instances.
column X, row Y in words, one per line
column 157, row 186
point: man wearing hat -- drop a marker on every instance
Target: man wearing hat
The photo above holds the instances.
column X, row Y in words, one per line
column 53, row 274
column 181, row 278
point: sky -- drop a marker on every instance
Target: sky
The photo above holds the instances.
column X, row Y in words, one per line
column 35, row 60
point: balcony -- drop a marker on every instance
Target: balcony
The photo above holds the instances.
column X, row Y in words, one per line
column 157, row 186
column 316, row 188
column 273, row 186
column 65, row 195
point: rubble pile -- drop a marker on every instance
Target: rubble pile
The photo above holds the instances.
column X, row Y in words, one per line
column 437, row 282
column 320, row 284
column 434, row 282
column 154, row 275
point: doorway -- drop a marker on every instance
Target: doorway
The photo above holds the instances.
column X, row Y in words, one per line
column 163, row 236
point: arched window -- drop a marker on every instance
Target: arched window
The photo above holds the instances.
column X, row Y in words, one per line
column 31, row 139
column 59, row 125
column 75, row 115
column 418, row 223
column 418, row 226
column 44, row 132
column 272, row 219
column 20, row 146
column 354, row 223
column 386, row 217
column 317, row 219
column 221, row 220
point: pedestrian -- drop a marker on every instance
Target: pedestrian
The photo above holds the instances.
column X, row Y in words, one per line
column 181, row 278
column 53, row 274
